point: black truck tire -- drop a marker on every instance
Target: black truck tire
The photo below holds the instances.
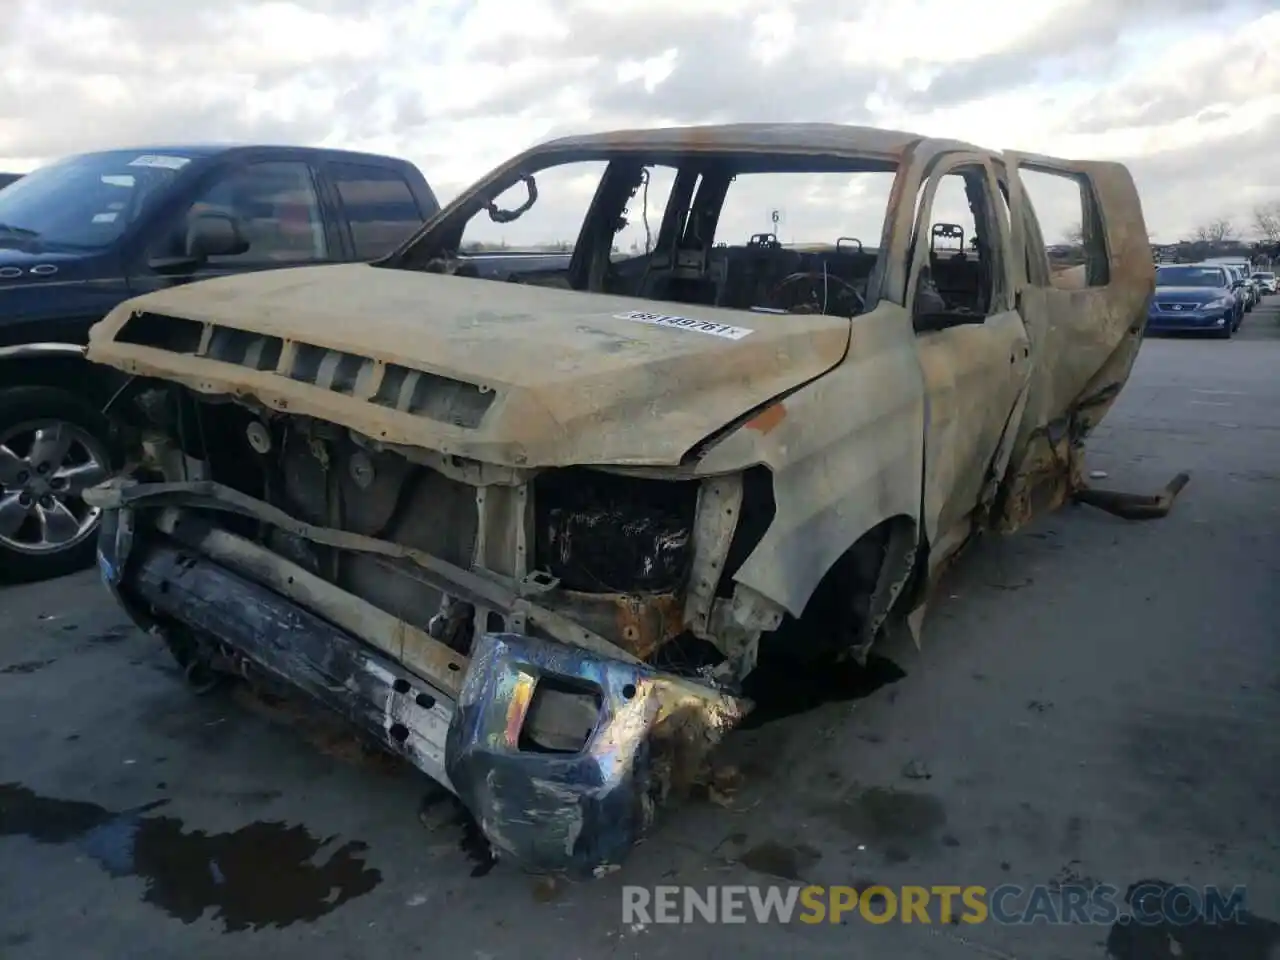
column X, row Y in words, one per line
column 45, row 490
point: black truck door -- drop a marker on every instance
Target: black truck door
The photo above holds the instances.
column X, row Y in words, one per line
column 276, row 204
column 376, row 206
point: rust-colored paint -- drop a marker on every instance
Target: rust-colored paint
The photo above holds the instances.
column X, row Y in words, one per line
column 768, row 418
column 645, row 623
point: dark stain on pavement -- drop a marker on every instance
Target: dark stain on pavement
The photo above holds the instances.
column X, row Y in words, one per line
column 27, row 666
column 1245, row 936
column 779, row 859
column 113, row 634
column 899, row 823
column 886, row 813
column 799, row 687
column 265, row 874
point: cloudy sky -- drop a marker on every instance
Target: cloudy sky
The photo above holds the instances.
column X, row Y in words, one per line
column 1185, row 91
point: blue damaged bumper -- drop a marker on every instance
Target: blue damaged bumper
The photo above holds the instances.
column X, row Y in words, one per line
column 583, row 810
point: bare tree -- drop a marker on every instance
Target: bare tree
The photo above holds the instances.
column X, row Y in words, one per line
column 1266, row 221
column 1215, row 231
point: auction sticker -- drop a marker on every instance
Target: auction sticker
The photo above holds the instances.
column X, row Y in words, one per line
column 686, row 323
column 164, row 163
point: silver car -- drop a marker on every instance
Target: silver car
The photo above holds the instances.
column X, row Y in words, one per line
column 1247, row 286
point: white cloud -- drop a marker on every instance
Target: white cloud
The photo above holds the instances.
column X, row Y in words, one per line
column 944, row 33
column 1186, row 91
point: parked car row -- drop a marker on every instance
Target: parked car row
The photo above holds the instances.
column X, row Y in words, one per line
column 1211, row 297
column 1242, row 275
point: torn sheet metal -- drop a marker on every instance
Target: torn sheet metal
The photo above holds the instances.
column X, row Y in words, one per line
column 581, row 811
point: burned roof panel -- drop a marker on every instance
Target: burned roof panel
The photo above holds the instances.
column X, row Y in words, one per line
column 831, row 138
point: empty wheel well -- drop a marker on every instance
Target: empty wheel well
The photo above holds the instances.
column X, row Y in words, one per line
column 77, row 376
column 845, row 613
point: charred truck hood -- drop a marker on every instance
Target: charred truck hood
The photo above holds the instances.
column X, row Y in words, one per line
column 509, row 374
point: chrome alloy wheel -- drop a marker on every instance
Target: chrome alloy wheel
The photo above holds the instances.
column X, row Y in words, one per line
column 45, row 467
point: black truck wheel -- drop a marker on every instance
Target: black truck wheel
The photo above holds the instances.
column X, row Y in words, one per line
column 53, row 445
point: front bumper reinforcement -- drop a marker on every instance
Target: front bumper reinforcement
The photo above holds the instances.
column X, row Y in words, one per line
column 374, row 693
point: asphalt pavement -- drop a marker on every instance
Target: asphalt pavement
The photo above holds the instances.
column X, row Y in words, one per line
column 1095, row 702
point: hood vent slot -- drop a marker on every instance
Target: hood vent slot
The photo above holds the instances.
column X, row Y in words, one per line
column 329, row 369
column 162, row 333
column 429, row 395
column 244, row 349
column 409, row 391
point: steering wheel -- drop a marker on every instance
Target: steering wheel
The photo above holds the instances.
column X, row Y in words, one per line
column 816, row 280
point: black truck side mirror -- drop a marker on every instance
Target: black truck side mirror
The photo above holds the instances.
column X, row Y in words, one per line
column 208, row 235
column 215, row 235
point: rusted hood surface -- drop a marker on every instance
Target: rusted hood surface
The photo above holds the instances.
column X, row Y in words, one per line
column 518, row 374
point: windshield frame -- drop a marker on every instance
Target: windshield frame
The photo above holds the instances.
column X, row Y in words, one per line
column 442, row 233
column 65, row 192
column 438, row 245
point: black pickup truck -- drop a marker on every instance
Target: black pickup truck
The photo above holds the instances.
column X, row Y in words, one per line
column 81, row 235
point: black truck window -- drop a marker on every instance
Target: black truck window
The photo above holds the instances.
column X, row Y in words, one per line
column 379, row 206
column 278, row 211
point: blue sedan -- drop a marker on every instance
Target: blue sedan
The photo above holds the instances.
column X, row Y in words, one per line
column 1194, row 298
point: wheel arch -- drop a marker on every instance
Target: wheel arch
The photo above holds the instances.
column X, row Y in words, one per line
column 879, row 572
column 62, row 366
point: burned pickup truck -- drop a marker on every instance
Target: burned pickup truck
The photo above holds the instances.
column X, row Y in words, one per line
column 532, row 534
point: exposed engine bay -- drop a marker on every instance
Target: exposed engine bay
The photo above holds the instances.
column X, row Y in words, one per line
column 613, row 551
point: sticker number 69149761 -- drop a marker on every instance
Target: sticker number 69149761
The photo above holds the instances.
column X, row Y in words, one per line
column 724, row 330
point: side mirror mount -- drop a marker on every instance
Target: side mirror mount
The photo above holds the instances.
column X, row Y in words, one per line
column 208, row 235
column 215, row 235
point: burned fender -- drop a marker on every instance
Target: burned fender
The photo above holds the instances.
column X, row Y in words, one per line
column 576, row 812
